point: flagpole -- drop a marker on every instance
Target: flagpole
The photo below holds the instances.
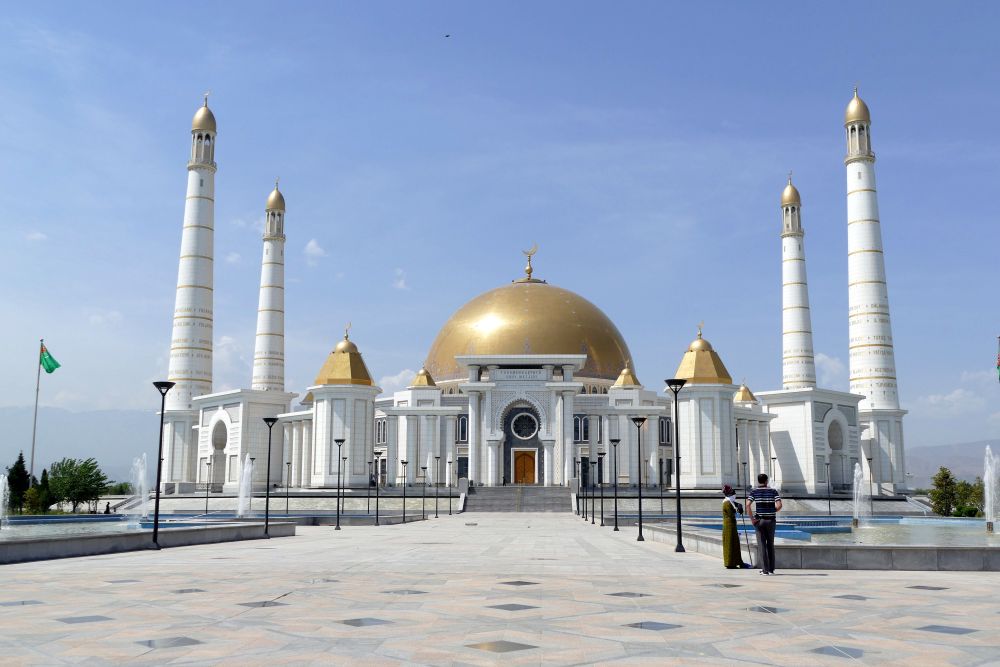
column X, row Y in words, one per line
column 34, row 426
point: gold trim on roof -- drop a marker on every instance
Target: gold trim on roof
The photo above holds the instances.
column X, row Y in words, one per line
column 702, row 365
column 423, row 379
column 627, row 378
column 744, row 395
column 345, row 366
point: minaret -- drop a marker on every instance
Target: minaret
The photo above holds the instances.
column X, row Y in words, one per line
column 269, row 348
column 872, row 360
column 798, row 365
column 191, row 344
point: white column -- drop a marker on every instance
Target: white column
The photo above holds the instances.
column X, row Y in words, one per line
column 307, row 453
column 297, row 454
column 392, row 450
column 412, row 426
column 474, row 431
column 450, row 424
column 549, row 464
column 797, row 361
column 566, row 428
column 269, row 345
column 492, row 463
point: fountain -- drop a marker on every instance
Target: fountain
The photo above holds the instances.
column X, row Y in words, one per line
column 991, row 488
column 246, row 487
column 4, row 498
column 138, row 506
column 862, row 498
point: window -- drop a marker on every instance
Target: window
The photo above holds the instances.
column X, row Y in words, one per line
column 463, row 429
column 524, row 426
column 381, row 431
column 581, row 428
column 664, row 430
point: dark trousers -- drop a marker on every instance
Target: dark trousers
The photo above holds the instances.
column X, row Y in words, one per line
column 765, row 543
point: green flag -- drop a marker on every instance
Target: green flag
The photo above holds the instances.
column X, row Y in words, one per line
column 47, row 361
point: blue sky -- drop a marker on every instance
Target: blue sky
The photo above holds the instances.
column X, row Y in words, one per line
column 643, row 146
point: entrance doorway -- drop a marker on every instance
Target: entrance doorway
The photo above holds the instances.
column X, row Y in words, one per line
column 524, row 467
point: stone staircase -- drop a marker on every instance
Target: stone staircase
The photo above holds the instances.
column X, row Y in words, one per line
column 519, row 499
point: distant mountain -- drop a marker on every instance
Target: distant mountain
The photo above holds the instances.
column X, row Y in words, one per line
column 965, row 461
column 113, row 437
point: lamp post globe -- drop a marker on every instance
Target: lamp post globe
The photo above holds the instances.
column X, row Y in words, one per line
column 270, row 421
column 675, row 385
column 162, row 386
column 639, row 421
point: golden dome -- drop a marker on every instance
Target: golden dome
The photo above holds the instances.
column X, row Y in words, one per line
column 790, row 195
column 744, row 395
column 275, row 200
column 702, row 365
column 530, row 316
column 423, row 379
column 627, row 379
column 857, row 111
column 204, row 119
column 344, row 366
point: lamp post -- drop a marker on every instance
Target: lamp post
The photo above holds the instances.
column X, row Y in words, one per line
column 369, row 510
column 614, row 445
column 423, row 495
column 449, row 488
column 288, row 482
column 774, row 464
column 600, row 482
column 579, row 488
column 829, row 508
column 250, row 497
column 437, row 485
column 746, row 480
column 270, row 421
column 593, row 469
column 208, row 483
column 871, row 490
column 404, row 489
column 675, row 385
column 163, row 387
column 378, row 477
column 639, row 421
column 340, row 443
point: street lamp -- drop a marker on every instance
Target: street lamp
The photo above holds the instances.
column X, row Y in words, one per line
column 208, row 483
column 437, row 486
column 250, row 497
column 600, row 482
column 288, row 483
column 871, row 491
column 639, row 421
column 378, row 469
column 163, row 387
column 423, row 495
column 404, row 489
column 593, row 468
column 340, row 443
column 449, row 488
column 829, row 508
column 579, row 488
column 369, row 510
column 675, row 385
column 270, row 421
column 614, row 444
column 774, row 464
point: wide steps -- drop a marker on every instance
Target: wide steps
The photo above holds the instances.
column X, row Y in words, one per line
column 519, row 499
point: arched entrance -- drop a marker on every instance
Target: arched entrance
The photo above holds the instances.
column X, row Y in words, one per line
column 523, row 453
column 220, row 436
column 835, row 439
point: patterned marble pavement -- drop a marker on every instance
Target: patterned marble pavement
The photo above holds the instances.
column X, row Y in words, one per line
column 478, row 590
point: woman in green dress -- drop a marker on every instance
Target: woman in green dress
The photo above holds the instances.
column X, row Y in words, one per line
column 732, row 555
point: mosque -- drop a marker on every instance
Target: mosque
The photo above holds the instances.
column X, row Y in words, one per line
column 530, row 383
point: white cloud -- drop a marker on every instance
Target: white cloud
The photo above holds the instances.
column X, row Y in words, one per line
column 233, row 258
column 36, row 236
column 399, row 282
column 249, row 222
column 960, row 401
column 831, row 371
column 314, row 251
column 401, row 380
column 231, row 364
column 100, row 318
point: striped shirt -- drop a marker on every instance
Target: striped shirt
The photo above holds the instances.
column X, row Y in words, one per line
column 763, row 499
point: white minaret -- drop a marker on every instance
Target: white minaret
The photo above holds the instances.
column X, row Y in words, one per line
column 872, row 360
column 191, row 344
column 798, row 365
column 269, row 348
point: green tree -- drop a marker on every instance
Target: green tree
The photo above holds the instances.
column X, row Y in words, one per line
column 76, row 482
column 18, row 482
column 969, row 500
column 44, row 494
column 33, row 501
column 943, row 493
column 118, row 489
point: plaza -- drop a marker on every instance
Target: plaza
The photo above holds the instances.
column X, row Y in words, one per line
column 478, row 589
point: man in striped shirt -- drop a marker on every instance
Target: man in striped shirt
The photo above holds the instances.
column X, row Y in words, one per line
column 763, row 504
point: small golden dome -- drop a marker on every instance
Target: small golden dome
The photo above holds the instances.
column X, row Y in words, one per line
column 345, row 366
column 701, row 364
column 275, row 200
column 744, row 395
column 627, row 379
column 204, row 119
column 790, row 195
column 423, row 379
column 857, row 111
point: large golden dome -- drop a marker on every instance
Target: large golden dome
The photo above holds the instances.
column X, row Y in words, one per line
column 530, row 317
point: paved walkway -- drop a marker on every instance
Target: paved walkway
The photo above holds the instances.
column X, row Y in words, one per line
column 482, row 589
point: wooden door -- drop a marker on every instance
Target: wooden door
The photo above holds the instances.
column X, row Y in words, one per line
column 524, row 467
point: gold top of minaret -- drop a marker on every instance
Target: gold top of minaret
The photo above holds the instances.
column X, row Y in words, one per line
column 857, row 110
column 790, row 195
column 204, row 119
column 276, row 200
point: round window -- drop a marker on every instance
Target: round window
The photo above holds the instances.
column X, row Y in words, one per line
column 525, row 426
